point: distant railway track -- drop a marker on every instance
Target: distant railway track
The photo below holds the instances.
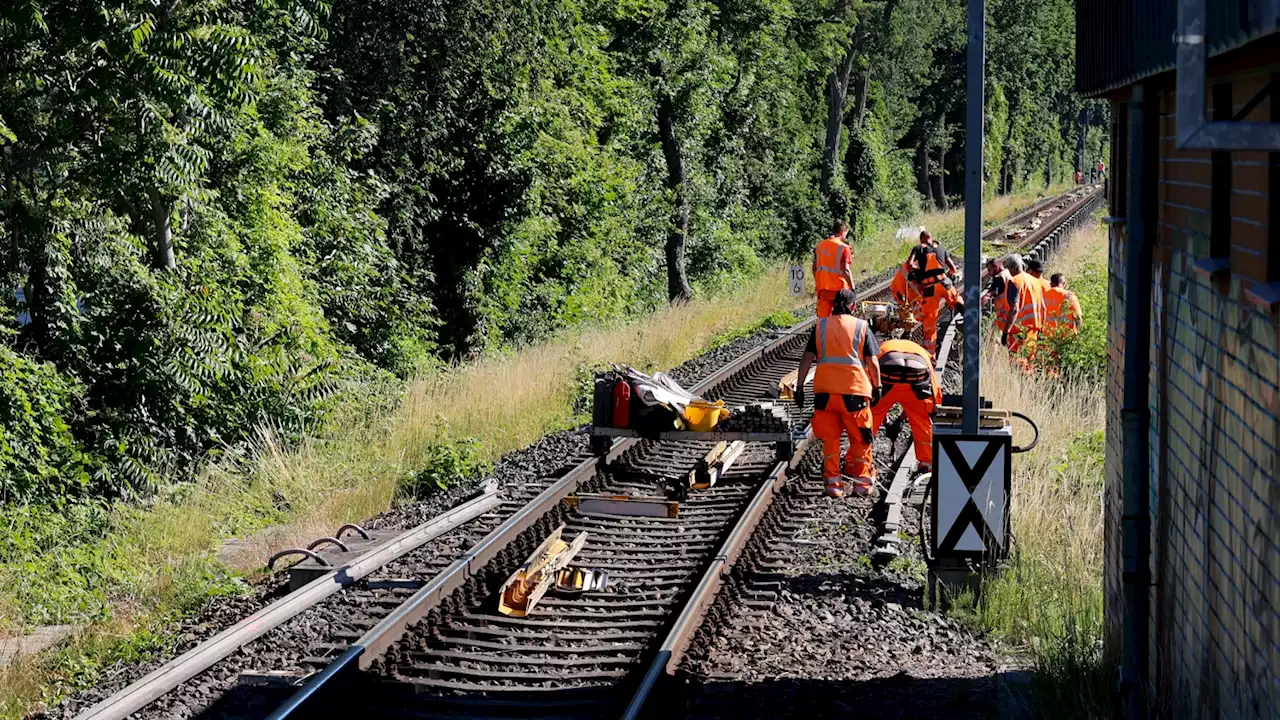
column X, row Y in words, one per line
column 419, row 636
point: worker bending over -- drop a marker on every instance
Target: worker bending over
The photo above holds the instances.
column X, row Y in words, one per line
column 845, row 381
column 906, row 371
column 831, row 267
column 1025, row 318
column 905, row 294
column 997, row 292
column 932, row 270
column 1062, row 312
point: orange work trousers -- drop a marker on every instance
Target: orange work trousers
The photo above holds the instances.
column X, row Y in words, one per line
column 836, row 420
column 919, row 415
column 826, row 298
column 930, row 307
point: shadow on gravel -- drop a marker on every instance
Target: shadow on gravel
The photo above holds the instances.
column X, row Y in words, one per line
column 897, row 696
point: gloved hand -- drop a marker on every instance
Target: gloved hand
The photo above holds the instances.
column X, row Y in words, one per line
column 1004, row 339
column 799, row 397
column 877, row 393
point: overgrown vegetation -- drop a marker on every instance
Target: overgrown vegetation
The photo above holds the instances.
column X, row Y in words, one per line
column 1049, row 601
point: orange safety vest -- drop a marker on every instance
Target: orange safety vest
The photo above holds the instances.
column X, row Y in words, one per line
column 841, row 370
column 827, row 274
column 1030, row 316
column 904, row 292
column 927, row 270
column 1001, row 304
column 900, row 364
column 1061, row 310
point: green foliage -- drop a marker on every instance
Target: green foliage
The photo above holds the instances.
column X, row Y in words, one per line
column 447, row 461
column 1084, row 355
column 774, row 321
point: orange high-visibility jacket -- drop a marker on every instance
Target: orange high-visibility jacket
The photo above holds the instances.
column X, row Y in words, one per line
column 827, row 273
column 904, row 292
column 841, row 342
column 1062, row 310
column 1030, row 315
column 908, row 373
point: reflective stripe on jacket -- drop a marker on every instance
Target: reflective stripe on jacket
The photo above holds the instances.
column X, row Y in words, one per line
column 827, row 274
column 1061, row 310
column 928, row 269
column 1030, row 316
column 841, row 369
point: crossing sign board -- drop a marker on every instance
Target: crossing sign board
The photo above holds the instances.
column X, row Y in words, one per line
column 971, row 485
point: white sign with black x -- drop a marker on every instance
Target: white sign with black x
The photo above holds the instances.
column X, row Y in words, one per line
column 972, row 476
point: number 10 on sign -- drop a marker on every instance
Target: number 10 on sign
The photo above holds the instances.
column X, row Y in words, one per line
column 796, row 276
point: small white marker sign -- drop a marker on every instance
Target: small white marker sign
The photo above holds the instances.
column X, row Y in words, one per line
column 796, row 278
column 971, row 498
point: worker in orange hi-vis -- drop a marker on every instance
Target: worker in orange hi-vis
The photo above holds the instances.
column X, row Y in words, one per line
column 909, row 380
column 996, row 293
column 1035, row 269
column 931, row 270
column 1062, row 311
column 1026, row 308
column 904, row 292
column 831, row 267
column 845, row 384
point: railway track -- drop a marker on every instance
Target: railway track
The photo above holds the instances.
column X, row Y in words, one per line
column 417, row 635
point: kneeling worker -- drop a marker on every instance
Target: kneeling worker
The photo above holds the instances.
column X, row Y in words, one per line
column 845, row 381
column 831, row 267
column 908, row 378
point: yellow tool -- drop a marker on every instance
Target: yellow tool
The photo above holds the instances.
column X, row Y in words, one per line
column 527, row 585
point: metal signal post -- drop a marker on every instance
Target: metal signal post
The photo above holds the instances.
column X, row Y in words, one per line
column 973, row 214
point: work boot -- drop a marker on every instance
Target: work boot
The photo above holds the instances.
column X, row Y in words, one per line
column 835, row 488
column 862, row 487
column 923, row 467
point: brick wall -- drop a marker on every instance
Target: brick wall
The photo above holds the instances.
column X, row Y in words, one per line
column 1215, row 433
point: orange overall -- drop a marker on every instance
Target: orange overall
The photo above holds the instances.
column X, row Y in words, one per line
column 929, row 274
column 842, row 399
column 1000, row 306
column 904, row 292
column 908, row 378
column 1028, row 316
column 830, row 262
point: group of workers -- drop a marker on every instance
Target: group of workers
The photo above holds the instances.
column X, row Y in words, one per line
column 857, row 380
column 1027, row 307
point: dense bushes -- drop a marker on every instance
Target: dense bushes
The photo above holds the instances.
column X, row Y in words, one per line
column 219, row 215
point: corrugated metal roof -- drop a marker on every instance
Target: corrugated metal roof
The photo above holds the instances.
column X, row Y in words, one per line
column 1119, row 42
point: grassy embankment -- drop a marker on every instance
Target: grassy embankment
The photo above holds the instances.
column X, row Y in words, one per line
column 124, row 573
column 1049, row 602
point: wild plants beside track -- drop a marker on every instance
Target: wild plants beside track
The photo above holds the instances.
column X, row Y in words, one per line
column 1049, row 602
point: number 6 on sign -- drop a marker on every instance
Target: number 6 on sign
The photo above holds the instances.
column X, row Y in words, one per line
column 796, row 276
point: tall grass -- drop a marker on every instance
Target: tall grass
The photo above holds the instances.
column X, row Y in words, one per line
column 1049, row 601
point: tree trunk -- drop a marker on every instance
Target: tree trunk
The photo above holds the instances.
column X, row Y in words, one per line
column 162, row 217
column 922, row 173
column 677, row 281
column 837, row 91
column 864, row 79
column 1006, row 163
column 939, row 182
column 1084, row 125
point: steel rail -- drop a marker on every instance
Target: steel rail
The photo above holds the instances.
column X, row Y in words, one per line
column 365, row 651
column 672, row 650
column 200, row 658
